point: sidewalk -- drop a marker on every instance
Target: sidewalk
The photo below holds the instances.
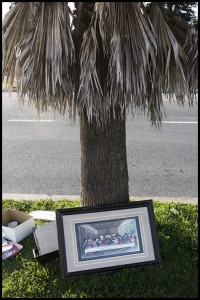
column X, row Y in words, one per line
column 193, row 200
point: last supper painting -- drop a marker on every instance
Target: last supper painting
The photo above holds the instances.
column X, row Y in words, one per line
column 110, row 238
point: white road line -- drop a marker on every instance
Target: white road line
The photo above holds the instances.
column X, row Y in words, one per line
column 179, row 122
column 31, row 120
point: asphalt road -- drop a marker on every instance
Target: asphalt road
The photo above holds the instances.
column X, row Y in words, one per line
column 44, row 157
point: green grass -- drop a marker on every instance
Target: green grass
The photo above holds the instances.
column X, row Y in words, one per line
column 176, row 277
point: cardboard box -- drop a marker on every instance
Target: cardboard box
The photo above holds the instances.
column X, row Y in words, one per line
column 26, row 224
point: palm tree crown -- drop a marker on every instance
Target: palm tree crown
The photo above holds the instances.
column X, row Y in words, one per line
column 114, row 54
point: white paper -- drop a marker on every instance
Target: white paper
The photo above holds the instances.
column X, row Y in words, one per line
column 43, row 215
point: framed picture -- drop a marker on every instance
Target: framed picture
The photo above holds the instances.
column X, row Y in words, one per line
column 104, row 238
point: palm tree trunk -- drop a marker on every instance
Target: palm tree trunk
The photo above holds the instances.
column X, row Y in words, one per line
column 104, row 174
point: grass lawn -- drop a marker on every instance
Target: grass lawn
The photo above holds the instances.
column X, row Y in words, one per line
column 176, row 277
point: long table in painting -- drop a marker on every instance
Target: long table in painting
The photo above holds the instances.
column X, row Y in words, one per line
column 109, row 247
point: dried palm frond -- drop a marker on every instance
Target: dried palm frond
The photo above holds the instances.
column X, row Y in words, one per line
column 192, row 52
column 45, row 58
column 141, row 57
column 89, row 81
column 15, row 25
column 176, row 54
column 120, row 34
column 187, row 37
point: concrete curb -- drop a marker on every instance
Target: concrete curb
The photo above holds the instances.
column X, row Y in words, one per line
column 193, row 200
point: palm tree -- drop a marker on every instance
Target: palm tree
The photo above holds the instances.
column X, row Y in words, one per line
column 114, row 58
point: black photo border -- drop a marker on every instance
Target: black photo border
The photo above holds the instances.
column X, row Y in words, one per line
column 63, row 213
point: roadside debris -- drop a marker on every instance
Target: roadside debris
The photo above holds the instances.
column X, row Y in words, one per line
column 9, row 248
column 43, row 215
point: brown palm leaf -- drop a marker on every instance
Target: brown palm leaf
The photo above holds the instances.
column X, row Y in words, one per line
column 15, row 25
column 129, row 45
column 187, row 37
column 45, row 58
column 176, row 64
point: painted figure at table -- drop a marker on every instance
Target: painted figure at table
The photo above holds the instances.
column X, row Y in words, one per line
column 84, row 245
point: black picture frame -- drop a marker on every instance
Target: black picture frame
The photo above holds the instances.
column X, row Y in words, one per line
column 107, row 237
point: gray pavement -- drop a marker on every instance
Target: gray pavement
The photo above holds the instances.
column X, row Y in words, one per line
column 43, row 156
